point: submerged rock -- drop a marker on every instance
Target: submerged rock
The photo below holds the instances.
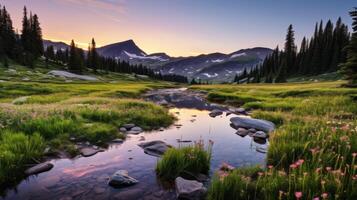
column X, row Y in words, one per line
column 259, row 124
column 154, row 148
column 260, row 134
column 121, row 178
column 189, row 189
column 215, row 113
column 89, row 151
column 242, row 132
column 43, row 167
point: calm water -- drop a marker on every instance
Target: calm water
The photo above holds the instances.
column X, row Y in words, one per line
column 87, row 177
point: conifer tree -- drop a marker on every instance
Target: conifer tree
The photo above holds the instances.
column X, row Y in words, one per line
column 349, row 68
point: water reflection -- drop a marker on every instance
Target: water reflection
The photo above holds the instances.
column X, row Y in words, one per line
column 87, row 177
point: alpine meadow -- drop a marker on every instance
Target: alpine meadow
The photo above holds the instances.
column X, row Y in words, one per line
column 255, row 102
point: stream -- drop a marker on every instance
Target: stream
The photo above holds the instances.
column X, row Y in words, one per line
column 87, row 177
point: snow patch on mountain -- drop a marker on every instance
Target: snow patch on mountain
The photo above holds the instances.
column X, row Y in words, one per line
column 238, row 55
column 210, row 76
column 144, row 57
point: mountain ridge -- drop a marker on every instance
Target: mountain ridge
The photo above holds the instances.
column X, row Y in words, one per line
column 215, row 66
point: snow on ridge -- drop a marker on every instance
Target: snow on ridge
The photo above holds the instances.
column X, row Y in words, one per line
column 210, row 76
column 132, row 56
column 217, row 60
column 238, row 55
column 66, row 74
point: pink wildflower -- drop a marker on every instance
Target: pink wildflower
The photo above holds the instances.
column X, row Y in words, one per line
column 298, row 195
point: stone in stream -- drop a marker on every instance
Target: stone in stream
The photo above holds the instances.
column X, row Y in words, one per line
column 121, row 178
column 242, row 132
column 259, row 124
column 128, row 126
column 89, row 151
column 136, row 128
column 215, row 113
column 252, row 130
column 154, row 148
column 260, row 134
column 189, row 189
column 118, row 140
column 161, row 129
column 122, row 129
column 42, row 167
column 183, row 141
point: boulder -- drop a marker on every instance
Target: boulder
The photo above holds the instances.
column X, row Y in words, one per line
column 43, row 167
column 215, row 113
column 260, row 134
column 242, row 132
column 246, row 122
column 89, row 151
column 122, row 129
column 154, row 148
column 252, row 130
column 128, row 126
column 133, row 132
column 121, row 178
column 189, row 189
column 137, row 129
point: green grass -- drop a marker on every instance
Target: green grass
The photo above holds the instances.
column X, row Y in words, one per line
column 313, row 150
column 54, row 111
column 193, row 160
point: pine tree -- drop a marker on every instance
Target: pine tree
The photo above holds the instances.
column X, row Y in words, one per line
column 36, row 37
column 349, row 68
column 289, row 57
column 93, row 56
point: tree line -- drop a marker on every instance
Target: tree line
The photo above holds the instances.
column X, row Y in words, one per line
column 320, row 54
column 27, row 47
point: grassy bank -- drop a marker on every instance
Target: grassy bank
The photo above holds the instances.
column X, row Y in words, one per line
column 44, row 111
column 312, row 153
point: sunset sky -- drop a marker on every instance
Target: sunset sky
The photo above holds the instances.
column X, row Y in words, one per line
column 180, row 27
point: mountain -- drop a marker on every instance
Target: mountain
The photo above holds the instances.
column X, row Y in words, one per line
column 56, row 45
column 217, row 67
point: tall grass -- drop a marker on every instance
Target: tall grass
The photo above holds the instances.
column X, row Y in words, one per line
column 312, row 154
column 16, row 150
column 193, row 160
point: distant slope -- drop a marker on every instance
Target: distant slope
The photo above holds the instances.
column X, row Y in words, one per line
column 56, row 45
column 213, row 67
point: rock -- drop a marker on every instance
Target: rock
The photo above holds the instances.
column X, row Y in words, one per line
column 66, row 74
column 20, row 100
column 121, row 178
column 259, row 140
column 228, row 113
column 89, row 151
column 260, row 134
column 259, row 124
column 188, row 189
column 161, row 129
column 43, row 167
column 238, row 110
column 215, row 113
column 128, row 126
column 118, row 140
column 122, row 129
column 252, row 130
column 137, row 129
column 133, row 132
column 72, row 139
column 25, row 79
column 242, row 132
column 154, row 148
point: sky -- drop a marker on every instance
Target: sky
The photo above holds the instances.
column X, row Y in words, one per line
column 180, row 27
